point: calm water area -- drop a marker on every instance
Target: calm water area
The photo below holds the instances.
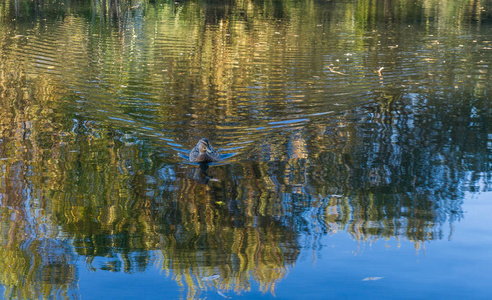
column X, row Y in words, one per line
column 355, row 141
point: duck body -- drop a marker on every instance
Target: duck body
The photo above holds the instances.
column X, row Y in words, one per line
column 204, row 153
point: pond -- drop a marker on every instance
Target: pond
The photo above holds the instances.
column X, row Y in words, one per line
column 355, row 141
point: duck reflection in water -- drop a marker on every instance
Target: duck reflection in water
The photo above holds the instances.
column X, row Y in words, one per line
column 201, row 174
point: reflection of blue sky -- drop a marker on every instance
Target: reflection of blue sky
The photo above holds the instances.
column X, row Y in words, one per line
column 441, row 269
column 455, row 268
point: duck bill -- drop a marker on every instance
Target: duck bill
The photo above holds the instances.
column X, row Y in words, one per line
column 209, row 150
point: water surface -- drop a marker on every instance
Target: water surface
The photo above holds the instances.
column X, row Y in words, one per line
column 355, row 136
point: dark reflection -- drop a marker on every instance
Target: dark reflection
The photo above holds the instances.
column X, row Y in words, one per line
column 331, row 117
column 201, row 173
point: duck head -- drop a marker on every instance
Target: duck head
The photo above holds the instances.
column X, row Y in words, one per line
column 204, row 146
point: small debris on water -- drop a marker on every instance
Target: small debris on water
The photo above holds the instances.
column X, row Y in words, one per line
column 336, row 196
column 210, row 278
column 223, row 295
column 372, row 278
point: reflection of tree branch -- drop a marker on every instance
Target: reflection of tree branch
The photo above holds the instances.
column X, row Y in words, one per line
column 379, row 71
column 336, row 72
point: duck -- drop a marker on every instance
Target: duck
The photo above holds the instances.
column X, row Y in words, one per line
column 203, row 152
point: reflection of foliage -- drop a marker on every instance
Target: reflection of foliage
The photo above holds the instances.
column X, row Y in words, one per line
column 366, row 152
column 203, row 235
column 32, row 266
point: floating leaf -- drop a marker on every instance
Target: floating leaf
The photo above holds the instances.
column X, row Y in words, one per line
column 210, row 278
column 223, row 295
column 372, row 278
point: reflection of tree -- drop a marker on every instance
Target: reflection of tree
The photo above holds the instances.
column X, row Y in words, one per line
column 121, row 211
column 407, row 167
column 201, row 237
column 33, row 261
column 32, row 267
